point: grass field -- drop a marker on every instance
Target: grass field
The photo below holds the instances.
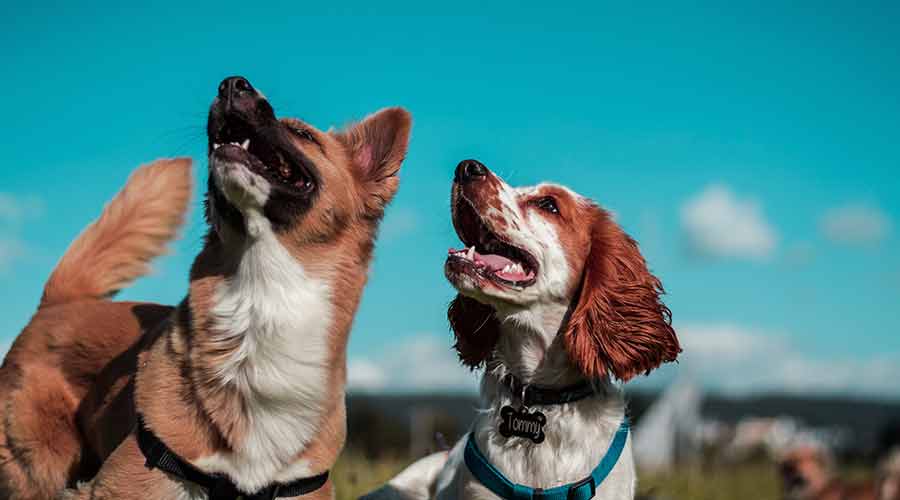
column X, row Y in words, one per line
column 355, row 475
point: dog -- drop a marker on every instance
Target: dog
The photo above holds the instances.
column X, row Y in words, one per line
column 237, row 391
column 889, row 476
column 555, row 301
column 807, row 473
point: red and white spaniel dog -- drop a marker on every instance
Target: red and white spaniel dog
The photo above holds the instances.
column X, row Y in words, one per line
column 553, row 294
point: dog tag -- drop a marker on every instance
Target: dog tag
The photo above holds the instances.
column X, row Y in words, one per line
column 522, row 423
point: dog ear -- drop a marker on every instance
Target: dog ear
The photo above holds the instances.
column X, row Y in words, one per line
column 377, row 146
column 619, row 326
column 475, row 328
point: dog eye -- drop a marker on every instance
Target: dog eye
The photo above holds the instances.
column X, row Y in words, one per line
column 303, row 134
column 547, row 204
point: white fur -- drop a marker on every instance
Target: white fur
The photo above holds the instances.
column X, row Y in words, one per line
column 578, row 434
column 188, row 491
column 581, row 431
column 281, row 316
column 529, row 229
column 415, row 481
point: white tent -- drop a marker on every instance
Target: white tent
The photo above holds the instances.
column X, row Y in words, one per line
column 670, row 429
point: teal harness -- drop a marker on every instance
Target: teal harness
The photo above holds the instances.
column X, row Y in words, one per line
column 495, row 481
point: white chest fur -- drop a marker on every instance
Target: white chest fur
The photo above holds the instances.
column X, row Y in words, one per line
column 578, row 435
column 281, row 317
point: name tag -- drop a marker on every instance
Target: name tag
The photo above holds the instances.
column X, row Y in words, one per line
column 522, row 423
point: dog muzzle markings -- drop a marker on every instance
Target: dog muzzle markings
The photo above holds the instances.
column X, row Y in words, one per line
column 255, row 165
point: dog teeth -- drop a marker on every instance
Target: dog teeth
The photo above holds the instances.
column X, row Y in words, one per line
column 243, row 145
column 471, row 254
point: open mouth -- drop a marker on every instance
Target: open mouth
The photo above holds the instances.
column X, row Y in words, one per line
column 486, row 254
column 241, row 143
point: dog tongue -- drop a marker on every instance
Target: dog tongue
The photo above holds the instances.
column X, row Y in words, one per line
column 494, row 261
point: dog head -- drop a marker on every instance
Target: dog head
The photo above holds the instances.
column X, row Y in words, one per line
column 531, row 246
column 889, row 476
column 306, row 185
column 805, row 471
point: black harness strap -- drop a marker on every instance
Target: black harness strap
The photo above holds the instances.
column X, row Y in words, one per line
column 220, row 487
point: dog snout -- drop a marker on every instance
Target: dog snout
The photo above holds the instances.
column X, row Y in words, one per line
column 236, row 94
column 239, row 112
column 469, row 170
column 233, row 85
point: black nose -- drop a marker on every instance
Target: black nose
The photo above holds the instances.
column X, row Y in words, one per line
column 468, row 170
column 233, row 87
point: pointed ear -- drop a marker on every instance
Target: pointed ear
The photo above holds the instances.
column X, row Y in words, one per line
column 377, row 147
column 619, row 326
column 475, row 328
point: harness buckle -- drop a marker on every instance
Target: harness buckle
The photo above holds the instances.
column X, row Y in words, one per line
column 576, row 493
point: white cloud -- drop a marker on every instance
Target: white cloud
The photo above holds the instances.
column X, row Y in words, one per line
column 10, row 250
column 725, row 343
column 15, row 208
column 398, row 222
column 422, row 363
column 365, row 375
column 719, row 224
column 725, row 357
column 738, row 359
column 856, row 224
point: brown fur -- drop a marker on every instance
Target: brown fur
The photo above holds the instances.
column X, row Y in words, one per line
column 133, row 229
column 475, row 329
column 889, row 476
column 814, row 467
column 52, row 373
column 76, row 376
column 619, row 326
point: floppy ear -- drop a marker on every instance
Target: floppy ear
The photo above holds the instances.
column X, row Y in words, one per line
column 475, row 328
column 377, row 147
column 619, row 325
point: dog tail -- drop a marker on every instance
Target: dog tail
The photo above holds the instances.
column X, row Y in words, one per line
column 133, row 229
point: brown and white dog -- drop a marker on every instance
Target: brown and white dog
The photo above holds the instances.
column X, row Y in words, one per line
column 808, row 473
column 552, row 292
column 245, row 377
column 889, row 476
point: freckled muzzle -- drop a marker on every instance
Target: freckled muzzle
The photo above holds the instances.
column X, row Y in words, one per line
column 489, row 257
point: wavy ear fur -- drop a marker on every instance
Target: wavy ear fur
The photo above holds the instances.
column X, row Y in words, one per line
column 619, row 326
column 476, row 330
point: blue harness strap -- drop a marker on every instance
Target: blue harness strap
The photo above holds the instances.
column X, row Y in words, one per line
column 495, row 481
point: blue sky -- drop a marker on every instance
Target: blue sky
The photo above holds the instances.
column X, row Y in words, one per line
column 751, row 149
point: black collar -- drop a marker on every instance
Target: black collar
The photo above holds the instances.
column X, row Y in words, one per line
column 533, row 395
column 220, row 487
